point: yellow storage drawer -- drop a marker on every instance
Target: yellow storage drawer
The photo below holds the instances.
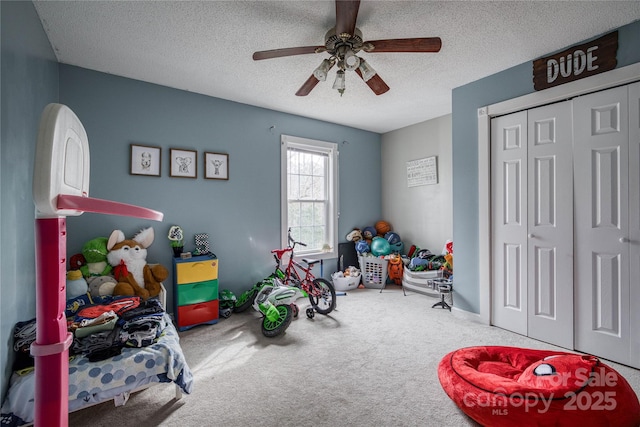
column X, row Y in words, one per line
column 196, row 271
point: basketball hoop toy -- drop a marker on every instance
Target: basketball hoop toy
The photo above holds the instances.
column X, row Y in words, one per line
column 60, row 189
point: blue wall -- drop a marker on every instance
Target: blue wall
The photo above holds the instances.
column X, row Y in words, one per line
column 508, row 84
column 241, row 215
column 29, row 82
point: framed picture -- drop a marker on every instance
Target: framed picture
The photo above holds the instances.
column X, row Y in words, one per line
column 422, row 171
column 183, row 163
column 216, row 166
column 145, row 160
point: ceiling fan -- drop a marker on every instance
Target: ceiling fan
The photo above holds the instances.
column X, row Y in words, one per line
column 342, row 43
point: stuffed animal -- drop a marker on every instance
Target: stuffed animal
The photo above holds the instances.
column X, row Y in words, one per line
column 396, row 269
column 100, row 286
column 76, row 284
column 95, row 256
column 129, row 259
column 354, row 236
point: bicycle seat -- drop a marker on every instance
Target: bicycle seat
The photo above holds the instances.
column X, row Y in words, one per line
column 311, row 261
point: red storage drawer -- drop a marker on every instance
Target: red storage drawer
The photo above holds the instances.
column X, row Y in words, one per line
column 195, row 314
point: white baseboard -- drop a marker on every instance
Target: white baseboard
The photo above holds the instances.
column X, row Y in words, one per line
column 467, row 315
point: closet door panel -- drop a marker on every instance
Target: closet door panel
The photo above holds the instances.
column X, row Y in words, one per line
column 602, row 292
column 509, row 222
column 634, row 219
column 550, row 224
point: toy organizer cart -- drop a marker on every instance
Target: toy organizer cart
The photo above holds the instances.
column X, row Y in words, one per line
column 374, row 271
column 60, row 188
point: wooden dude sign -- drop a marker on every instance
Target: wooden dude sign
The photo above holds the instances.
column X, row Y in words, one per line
column 577, row 62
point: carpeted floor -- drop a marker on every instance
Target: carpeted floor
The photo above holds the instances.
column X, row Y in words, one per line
column 371, row 362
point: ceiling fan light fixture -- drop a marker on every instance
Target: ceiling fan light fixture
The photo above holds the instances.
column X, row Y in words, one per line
column 366, row 70
column 351, row 61
column 320, row 73
column 339, row 83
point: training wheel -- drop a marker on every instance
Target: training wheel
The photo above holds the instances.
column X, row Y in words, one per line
column 310, row 313
column 295, row 309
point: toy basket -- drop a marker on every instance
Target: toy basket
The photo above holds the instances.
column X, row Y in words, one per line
column 345, row 283
column 374, row 271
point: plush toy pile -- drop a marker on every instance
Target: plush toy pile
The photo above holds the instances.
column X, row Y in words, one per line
column 116, row 266
column 511, row 386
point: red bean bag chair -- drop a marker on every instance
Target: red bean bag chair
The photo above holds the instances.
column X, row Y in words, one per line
column 511, row 386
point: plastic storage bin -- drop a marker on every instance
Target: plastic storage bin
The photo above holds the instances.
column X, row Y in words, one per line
column 373, row 271
column 346, row 283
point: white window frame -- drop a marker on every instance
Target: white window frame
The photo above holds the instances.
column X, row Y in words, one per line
column 331, row 150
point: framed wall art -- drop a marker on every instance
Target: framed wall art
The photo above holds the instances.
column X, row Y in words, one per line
column 216, row 166
column 422, row 171
column 184, row 163
column 145, row 160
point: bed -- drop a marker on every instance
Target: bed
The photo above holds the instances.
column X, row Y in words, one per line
column 113, row 378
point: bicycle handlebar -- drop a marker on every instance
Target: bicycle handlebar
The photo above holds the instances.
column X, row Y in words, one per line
column 293, row 241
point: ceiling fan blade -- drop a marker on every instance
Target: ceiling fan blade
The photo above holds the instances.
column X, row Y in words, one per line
column 424, row 44
column 377, row 85
column 289, row 51
column 307, row 86
column 346, row 15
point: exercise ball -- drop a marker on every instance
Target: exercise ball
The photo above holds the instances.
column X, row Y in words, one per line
column 380, row 246
column 382, row 227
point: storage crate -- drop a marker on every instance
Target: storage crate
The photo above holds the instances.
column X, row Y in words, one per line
column 374, row 271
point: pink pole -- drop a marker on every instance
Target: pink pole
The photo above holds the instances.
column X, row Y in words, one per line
column 50, row 349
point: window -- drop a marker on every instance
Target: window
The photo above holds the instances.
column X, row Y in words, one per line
column 310, row 195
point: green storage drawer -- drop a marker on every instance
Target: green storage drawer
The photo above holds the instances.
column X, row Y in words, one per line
column 194, row 293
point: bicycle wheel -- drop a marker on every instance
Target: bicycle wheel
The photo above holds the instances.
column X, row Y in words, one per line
column 322, row 296
column 245, row 300
column 271, row 329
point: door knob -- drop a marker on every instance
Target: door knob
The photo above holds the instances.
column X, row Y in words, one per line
column 531, row 235
column 624, row 240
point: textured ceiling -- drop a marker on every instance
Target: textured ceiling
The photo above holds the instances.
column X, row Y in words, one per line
column 206, row 47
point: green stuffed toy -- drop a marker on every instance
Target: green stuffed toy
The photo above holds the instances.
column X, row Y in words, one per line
column 95, row 253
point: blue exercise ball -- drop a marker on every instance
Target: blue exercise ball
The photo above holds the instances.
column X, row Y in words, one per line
column 380, row 246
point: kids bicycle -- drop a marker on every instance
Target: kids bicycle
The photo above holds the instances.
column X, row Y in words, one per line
column 321, row 292
column 275, row 296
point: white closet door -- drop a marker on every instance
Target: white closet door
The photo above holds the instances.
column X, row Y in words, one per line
column 550, row 224
column 601, row 159
column 634, row 219
column 509, row 221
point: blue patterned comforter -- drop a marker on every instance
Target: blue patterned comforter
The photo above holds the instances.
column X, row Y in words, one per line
column 95, row 382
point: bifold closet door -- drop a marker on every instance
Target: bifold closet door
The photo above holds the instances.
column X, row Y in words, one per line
column 532, row 223
column 509, row 222
column 634, row 219
column 602, row 160
column 550, row 224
